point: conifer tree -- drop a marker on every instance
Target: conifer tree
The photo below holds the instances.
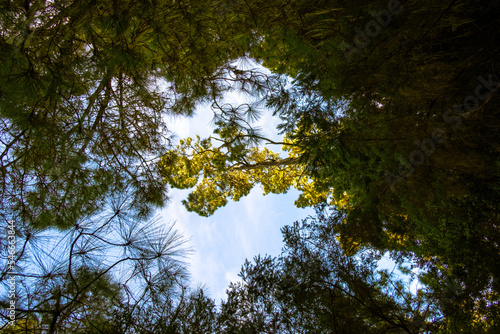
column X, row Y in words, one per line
column 84, row 91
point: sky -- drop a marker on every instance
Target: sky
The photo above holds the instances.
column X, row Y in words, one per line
column 240, row 230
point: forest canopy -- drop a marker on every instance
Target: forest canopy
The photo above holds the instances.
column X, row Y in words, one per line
column 390, row 122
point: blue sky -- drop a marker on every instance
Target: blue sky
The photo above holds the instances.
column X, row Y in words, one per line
column 238, row 231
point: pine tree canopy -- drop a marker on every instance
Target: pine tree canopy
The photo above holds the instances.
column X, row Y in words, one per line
column 390, row 126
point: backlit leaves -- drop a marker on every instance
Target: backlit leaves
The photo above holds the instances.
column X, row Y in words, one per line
column 231, row 170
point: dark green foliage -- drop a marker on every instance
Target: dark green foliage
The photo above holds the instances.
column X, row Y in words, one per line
column 404, row 128
column 84, row 90
column 313, row 287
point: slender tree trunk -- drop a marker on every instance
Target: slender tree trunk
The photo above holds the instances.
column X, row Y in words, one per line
column 56, row 313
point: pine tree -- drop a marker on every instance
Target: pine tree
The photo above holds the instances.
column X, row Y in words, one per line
column 84, row 91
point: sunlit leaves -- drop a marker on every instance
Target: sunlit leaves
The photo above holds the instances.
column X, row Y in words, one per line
column 232, row 169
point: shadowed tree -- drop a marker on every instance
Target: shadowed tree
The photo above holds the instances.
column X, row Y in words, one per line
column 109, row 273
column 314, row 287
column 84, row 91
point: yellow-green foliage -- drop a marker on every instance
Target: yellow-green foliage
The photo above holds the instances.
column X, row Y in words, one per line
column 223, row 178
